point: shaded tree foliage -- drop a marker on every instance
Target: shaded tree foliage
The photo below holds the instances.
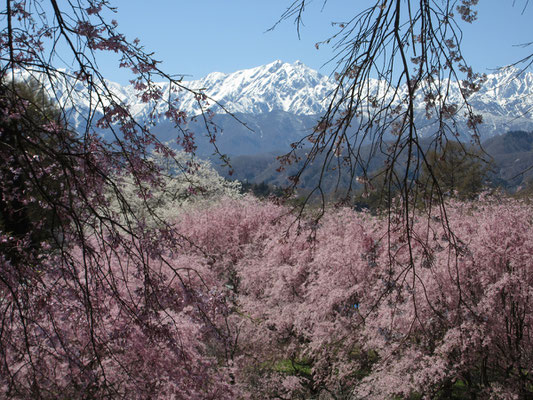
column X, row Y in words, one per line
column 262, row 189
column 456, row 170
column 35, row 145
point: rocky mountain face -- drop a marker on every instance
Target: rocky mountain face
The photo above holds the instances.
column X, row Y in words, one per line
column 281, row 102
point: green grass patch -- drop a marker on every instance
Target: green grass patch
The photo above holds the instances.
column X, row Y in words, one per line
column 294, row 367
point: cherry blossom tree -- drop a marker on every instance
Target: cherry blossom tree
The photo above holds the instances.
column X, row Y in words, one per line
column 186, row 183
column 92, row 307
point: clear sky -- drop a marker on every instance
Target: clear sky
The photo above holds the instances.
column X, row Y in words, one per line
column 195, row 37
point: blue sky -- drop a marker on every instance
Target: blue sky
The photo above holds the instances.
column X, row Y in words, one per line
column 195, row 37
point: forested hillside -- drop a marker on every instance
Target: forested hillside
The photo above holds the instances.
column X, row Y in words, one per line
column 504, row 159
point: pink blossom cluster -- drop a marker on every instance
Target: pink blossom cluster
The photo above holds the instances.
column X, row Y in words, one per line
column 360, row 310
column 236, row 301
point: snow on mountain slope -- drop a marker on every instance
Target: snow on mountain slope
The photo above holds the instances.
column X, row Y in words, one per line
column 297, row 89
column 278, row 86
column 505, row 100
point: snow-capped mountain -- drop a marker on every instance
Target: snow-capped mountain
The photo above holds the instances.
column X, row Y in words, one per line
column 297, row 89
column 282, row 101
column 293, row 88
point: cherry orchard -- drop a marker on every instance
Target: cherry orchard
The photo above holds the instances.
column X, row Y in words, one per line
column 346, row 316
column 243, row 308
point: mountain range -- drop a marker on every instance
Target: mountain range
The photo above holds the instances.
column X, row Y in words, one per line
column 281, row 102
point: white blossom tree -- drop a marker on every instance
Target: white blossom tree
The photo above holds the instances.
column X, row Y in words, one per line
column 184, row 183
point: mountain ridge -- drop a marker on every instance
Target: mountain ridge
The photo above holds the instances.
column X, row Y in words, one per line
column 300, row 90
column 505, row 102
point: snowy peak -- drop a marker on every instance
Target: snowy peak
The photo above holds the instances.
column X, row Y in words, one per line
column 278, row 86
column 509, row 89
column 300, row 90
